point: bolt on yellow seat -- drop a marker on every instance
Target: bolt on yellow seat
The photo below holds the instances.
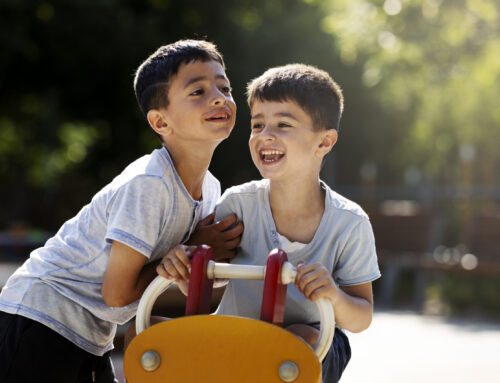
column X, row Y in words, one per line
column 209, row 348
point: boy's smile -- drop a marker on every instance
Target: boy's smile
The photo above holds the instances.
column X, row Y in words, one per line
column 200, row 106
column 284, row 142
column 270, row 155
column 219, row 116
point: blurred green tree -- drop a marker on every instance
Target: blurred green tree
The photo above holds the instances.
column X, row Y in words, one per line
column 435, row 65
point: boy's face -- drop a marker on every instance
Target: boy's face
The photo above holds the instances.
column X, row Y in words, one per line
column 201, row 106
column 283, row 143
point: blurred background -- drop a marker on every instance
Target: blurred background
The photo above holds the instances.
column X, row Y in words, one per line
column 418, row 144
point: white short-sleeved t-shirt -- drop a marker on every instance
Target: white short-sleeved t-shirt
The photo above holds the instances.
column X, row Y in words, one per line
column 145, row 207
column 343, row 242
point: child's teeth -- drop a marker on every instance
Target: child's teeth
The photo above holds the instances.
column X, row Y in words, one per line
column 271, row 155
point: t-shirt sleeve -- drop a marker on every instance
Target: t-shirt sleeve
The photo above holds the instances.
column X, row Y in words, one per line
column 136, row 213
column 210, row 195
column 358, row 260
column 226, row 206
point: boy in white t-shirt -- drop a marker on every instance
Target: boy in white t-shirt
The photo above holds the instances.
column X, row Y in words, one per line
column 60, row 310
column 295, row 115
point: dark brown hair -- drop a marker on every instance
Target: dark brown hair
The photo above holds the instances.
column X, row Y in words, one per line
column 152, row 78
column 311, row 88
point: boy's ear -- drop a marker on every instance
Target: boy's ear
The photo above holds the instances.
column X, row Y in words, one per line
column 328, row 140
column 158, row 122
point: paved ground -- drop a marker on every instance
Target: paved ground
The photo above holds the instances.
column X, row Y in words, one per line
column 403, row 347
column 409, row 348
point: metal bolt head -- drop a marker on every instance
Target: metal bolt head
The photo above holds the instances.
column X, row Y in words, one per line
column 288, row 371
column 150, row 360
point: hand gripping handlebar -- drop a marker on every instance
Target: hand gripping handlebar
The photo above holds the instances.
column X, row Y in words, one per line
column 232, row 271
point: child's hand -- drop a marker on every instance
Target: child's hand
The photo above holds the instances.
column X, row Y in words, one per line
column 177, row 263
column 315, row 282
column 219, row 235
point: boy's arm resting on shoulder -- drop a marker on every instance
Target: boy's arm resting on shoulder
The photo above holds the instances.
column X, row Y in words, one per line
column 353, row 305
column 223, row 236
column 126, row 275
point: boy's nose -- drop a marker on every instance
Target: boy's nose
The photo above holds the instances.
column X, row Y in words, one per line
column 267, row 133
column 218, row 98
column 218, row 101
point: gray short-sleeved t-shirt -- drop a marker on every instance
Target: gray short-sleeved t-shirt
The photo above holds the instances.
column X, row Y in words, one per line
column 145, row 207
column 343, row 242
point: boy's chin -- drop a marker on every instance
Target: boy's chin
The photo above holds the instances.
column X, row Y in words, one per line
column 268, row 175
column 223, row 133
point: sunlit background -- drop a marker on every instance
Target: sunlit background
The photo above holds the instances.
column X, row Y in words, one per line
column 418, row 146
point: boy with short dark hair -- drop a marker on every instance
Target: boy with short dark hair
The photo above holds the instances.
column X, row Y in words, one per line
column 295, row 115
column 59, row 311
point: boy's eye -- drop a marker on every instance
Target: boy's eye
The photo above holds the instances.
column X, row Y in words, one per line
column 197, row 92
column 284, row 125
column 257, row 126
column 226, row 89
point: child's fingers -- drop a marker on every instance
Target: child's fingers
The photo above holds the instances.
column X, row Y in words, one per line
column 234, row 232
column 166, row 270
column 181, row 269
column 320, row 292
column 303, row 268
column 311, row 288
column 305, row 273
column 309, row 274
column 183, row 254
column 209, row 219
column 227, row 222
column 160, row 269
column 175, row 269
column 304, row 279
column 176, row 264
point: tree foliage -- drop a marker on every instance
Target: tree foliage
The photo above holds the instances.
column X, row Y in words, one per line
column 435, row 65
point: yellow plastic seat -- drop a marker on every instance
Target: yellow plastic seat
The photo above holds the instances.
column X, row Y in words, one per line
column 209, row 348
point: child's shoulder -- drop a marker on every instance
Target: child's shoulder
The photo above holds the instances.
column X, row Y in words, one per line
column 251, row 188
column 340, row 204
column 147, row 171
column 154, row 164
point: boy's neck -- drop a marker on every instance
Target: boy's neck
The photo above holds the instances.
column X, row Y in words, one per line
column 297, row 208
column 191, row 164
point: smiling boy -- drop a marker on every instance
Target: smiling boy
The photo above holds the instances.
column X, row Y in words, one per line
column 60, row 309
column 295, row 116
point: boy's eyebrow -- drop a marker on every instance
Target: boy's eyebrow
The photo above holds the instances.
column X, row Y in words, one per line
column 287, row 114
column 260, row 115
column 279, row 114
column 203, row 78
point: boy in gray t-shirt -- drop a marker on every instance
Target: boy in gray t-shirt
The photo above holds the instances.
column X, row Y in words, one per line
column 59, row 311
column 295, row 115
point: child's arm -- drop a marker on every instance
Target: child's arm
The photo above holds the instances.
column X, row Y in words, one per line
column 125, row 281
column 223, row 236
column 353, row 305
column 127, row 276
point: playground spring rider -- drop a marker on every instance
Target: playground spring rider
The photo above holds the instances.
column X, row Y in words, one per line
column 218, row 348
